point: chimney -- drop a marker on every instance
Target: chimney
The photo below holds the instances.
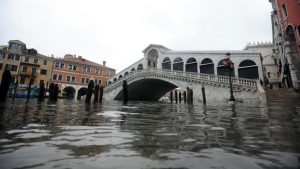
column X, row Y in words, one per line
column 104, row 63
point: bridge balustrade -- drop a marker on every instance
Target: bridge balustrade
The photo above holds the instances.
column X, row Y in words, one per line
column 184, row 76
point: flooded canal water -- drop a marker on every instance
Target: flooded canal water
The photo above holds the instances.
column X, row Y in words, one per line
column 72, row 134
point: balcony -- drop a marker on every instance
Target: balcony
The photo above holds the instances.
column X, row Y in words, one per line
column 28, row 74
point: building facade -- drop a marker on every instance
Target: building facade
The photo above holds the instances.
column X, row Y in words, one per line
column 73, row 73
column 286, row 37
column 25, row 64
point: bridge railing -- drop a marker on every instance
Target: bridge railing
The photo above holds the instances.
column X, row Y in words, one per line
column 184, row 76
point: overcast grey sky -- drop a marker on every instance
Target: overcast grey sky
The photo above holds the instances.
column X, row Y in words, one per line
column 118, row 30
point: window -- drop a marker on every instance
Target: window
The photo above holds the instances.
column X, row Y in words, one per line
column 97, row 71
column 54, row 77
column 70, row 66
column 284, row 11
column 101, row 71
column 68, row 78
column 45, row 61
column 60, row 77
column 43, row 71
column 24, row 69
column 88, row 69
column 12, row 68
column 11, row 57
column 1, row 65
column 33, row 71
column 82, row 80
column 73, row 78
column 26, row 59
column 87, row 80
column 96, row 81
column 56, row 64
column 35, row 61
column 2, row 56
column 17, row 57
column 99, row 82
column 42, row 81
column 75, row 67
column 22, row 80
column 62, row 65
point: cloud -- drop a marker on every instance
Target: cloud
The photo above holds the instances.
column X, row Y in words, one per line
column 117, row 31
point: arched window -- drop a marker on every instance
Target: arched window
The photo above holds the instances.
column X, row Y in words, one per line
column 132, row 70
column 120, row 77
column 126, row 74
column 109, row 82
column 178, row 64
column 224, row 70
column 166, row 64
column 207, row 66
column 248, row 69
column 140, row 67
column 115, row 79
column 191, row 65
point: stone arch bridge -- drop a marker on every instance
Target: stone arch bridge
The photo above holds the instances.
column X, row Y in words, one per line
column 152, row 84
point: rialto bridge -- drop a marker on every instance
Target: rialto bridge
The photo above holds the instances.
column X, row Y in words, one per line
column 162, row 70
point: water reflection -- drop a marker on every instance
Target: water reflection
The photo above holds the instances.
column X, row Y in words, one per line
column 72, row 134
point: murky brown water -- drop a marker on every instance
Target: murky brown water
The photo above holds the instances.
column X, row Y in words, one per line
column 71, row 134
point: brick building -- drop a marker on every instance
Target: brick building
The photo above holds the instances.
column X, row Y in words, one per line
column 286, row 37
column 73, row 74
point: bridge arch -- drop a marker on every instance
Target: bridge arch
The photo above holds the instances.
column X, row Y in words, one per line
column 147, row 89
column 191, row 65
column 152, row 56
column 248, row 69
column 126, row 74
column 223, row 70
column 178, row 64
column 166, row 64
column 120, row 77
column 207, row 66
column 132, row 70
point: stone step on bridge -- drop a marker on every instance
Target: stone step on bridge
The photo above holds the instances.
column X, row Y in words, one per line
column 152, row 84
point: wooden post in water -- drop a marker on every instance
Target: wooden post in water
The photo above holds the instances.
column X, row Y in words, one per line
column 51, row 91
column 5, row 82
column 101, row 94
column 179, row 97
column 15, row 91
column 96, row 93
column 171, row 96
column 29, row 87
column 188, row 93
column 192, row 96
column 184, row 96
column 41, row 91
column 89, row 92
column 125, row 92
column 55, row 92
column 176, row 96
column 203, row 95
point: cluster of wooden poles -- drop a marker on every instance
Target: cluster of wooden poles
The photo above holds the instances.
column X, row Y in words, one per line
column 188, row 96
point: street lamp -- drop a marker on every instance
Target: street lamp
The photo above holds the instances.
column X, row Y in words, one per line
column 230, row 66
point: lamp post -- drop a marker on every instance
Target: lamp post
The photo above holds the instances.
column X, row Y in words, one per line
column 230, row 66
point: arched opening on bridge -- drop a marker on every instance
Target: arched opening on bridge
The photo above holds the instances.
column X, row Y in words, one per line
column 152, row 58
column 166, row 64
column 115, row 79
column 248, row 69
column 224, row 70
column 191, row 65
column 120, row 77
column 207, row 66
column 109, row 82
column 81, row 92
column 147, row 90
column 132, row 70
column 126, row 74
column 140, row 67
column 178, row 64
column 69, row 92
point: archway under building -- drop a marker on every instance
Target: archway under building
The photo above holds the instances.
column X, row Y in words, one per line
column 191, row 65
column 166, row 64
column 69, row 92
column 223, row 70
column 207, row 66
column 152, row 56
column 178, row 64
